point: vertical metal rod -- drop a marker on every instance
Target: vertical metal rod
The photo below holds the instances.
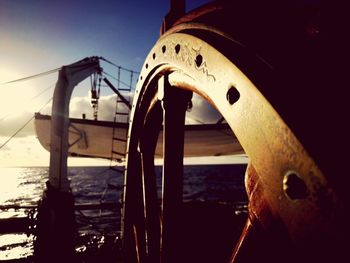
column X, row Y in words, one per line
column 118, row 77
column 175, row 103
column 131, row 75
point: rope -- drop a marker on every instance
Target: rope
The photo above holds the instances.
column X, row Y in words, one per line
column 118, row 66
column 32, row 77
column 122, row 82
column 57, row 69
column 39, row 94
column 103, row 195
column 21, row 128
column 88, row 220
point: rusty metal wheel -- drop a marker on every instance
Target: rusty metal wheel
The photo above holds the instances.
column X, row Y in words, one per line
column 291, row 204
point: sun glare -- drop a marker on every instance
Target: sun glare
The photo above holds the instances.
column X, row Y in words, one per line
column 15, row 96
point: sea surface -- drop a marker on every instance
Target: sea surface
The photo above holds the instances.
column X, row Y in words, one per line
column 24, row 187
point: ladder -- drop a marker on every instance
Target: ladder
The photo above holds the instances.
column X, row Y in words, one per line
column 121, row 117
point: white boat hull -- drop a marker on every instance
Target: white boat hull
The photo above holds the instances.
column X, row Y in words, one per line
column 90, row 138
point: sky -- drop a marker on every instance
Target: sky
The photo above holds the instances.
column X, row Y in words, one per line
column 38, row 35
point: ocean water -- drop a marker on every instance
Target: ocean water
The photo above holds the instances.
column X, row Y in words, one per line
column 24, row 187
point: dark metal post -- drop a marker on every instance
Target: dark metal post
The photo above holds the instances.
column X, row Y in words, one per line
column 148, row 143
column 175, row 103
column 133, row 211
column 177, row 9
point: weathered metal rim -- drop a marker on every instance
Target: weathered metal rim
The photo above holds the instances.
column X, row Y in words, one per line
column 271, row 146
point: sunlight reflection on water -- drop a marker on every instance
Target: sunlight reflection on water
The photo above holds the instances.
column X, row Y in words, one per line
column 19, row 186
column 13, row 246
column 9, row 187
column 24, row 186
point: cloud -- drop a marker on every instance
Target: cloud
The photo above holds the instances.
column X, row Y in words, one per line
column 25, row 149
column 10, row 125
column 106, row 107
column 78, row 106
column 201, row 112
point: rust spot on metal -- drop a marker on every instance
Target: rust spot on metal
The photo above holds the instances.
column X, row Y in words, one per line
column 323, row 197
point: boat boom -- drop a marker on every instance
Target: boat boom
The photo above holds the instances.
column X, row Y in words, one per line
column 69, row 77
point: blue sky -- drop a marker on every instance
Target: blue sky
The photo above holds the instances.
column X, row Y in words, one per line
column 48, row 34
column 65, row 31
column 40, row 35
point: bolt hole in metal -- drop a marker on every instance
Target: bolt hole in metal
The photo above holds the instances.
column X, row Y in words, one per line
column 154, row 56
column 177, row 48
column 146, row 66
column 294, row 187
column 163, row 49
column 198, row 60
column 232, row 95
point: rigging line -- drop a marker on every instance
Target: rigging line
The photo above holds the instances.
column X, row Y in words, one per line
column 32, row 98
column 110, row 62
column 122, row 82
column 88, row 220
column 21, row 128
column 39, row 94
column 32, row 77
